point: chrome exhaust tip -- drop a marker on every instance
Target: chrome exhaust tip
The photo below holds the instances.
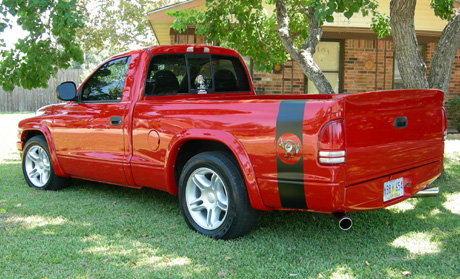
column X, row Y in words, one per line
column 427, row 192
column 345, row 223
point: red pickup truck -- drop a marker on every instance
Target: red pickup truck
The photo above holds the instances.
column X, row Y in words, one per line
column 185, row 119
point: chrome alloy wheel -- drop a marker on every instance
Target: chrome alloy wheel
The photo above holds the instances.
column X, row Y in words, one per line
column 37, row 166
column 206, row 198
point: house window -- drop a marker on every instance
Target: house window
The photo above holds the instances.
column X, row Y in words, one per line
column 397, row 79
column 329, row 57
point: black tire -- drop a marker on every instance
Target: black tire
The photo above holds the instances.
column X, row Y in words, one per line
column 221, row 210
column 37, row 167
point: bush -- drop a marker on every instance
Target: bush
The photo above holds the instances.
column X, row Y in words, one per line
column 453, row 111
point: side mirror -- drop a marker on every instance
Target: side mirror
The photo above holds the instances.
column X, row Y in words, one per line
column 66, row 91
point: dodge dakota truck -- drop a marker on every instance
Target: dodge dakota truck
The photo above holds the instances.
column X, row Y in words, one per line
column 185, row 119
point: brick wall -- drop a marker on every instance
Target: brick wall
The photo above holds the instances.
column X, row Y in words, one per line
column 290, row 80
column 367, row 64
column 454, row 89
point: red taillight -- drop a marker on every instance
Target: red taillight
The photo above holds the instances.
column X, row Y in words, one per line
column 444, row 123
column 332, row 144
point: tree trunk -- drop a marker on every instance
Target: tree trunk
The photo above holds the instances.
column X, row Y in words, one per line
column 304, row 56
column 444, row 55
column 411, row 64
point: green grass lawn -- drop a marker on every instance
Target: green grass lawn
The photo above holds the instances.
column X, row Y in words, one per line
column 96, row 230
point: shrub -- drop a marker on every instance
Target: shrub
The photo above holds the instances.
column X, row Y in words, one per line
column 453, row 111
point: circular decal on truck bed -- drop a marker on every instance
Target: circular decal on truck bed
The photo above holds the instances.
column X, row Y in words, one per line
column 289, row 149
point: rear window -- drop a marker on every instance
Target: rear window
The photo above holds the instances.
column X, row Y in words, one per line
column 229, row 74
column 172, row 74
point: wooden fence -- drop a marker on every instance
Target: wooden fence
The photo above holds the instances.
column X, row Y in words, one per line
column 30, row 100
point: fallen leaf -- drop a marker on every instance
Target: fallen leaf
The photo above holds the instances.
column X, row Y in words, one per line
column 145, row 235
column 221, row 273
column 106, row 260
column 367, row 263
column 134, row 263
column 228, row 258
column 166, row 260
column 127, row 230
column 292, row 275
column 406, row 273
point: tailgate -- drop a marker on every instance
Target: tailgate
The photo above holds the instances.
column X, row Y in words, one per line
column 392, row 131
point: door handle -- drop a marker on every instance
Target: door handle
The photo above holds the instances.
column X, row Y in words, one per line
column 115, row 120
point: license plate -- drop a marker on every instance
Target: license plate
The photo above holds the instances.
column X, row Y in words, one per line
column 393, row 189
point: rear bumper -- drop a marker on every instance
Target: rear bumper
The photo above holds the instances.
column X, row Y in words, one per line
column 369, row 195
column 329, row 197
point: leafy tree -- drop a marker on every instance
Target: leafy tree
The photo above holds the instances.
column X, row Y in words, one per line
column 295, row 28
column 411, row 65
column 49, row 46
column 114, row 26
column 61, row 30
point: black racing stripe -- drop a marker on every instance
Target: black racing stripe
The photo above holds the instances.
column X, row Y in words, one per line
column 290, row 121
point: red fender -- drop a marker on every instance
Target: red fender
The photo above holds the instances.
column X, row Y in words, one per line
column 228, row 140
column 43, row 129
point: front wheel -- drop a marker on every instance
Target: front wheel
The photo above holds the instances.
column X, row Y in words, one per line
column 213, row 197
column 37, row 167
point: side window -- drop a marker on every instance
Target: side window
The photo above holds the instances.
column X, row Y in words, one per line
column 107, row 83
column 167, row 75
column 229, row 74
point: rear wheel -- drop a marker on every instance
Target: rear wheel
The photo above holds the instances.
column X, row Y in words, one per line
column 213, row 197
column 37, row 167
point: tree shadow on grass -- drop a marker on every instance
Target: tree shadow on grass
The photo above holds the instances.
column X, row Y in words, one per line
column 98, row 231
column 418, row 237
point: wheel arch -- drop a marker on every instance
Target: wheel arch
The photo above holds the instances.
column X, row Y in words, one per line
column 186, row 145
column 43, row 130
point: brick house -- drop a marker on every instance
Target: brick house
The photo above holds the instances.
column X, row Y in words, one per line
column 350, row 54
